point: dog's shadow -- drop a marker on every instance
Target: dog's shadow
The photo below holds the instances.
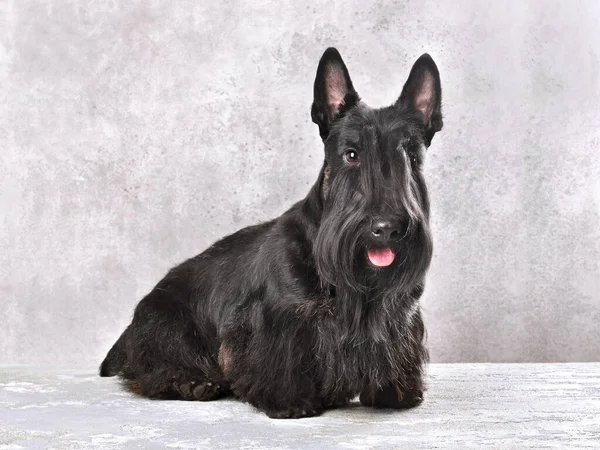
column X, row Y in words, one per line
column 362, row 413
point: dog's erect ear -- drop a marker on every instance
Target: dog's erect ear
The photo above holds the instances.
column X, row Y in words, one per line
column 423, row 92
column 333, row 91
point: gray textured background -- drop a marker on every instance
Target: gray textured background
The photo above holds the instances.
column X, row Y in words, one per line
column 134, row 134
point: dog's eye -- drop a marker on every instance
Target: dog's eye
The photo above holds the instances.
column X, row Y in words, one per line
column 351, row 156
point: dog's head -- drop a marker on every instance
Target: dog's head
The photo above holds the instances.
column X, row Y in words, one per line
column 374, row 230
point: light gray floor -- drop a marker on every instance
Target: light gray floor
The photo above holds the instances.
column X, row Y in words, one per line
column 467, row 406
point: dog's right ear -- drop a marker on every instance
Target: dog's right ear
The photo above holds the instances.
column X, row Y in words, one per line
column 333, row 91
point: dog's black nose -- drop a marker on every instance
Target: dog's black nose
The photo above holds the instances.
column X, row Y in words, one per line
column 385, row 230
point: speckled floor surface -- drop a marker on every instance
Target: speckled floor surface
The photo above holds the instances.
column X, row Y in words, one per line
column 467, row 406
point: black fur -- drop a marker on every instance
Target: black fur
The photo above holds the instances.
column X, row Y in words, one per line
column 290, row 315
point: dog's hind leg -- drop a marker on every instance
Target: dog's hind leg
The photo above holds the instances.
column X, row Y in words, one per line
column 171, row 353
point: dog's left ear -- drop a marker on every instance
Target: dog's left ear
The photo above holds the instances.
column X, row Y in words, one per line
column 423, row 92
column 333, row 91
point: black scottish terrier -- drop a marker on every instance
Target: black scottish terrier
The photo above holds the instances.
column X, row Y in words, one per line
column 309, row 310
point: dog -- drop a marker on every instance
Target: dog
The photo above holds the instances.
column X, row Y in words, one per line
column 307, row 311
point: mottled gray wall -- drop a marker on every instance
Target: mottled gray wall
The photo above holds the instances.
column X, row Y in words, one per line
column 133, row 134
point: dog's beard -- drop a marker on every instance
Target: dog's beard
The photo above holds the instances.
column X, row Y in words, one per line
column 341, row 248
column 337, row 249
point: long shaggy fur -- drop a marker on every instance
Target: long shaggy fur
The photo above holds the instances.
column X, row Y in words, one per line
column 290, row 315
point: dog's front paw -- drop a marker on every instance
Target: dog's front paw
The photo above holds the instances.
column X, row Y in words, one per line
column 392, row 396
column 294, row 412
column 410, row 399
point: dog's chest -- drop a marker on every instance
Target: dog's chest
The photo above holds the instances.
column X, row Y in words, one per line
column 348, row 358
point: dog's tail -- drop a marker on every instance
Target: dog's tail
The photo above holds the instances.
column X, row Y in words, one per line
column 116, row 359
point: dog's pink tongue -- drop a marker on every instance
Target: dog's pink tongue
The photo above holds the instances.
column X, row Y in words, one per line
column 381, row 257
